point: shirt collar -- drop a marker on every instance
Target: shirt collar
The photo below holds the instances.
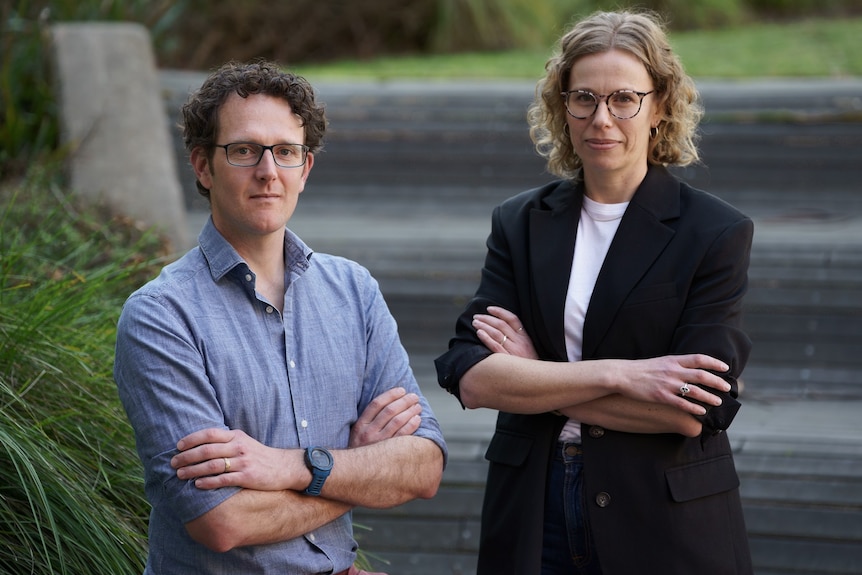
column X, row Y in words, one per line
column 221, row 257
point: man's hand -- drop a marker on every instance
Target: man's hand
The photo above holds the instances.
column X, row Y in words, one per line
column 216, row 457
column 392, row 413
column 219, row 458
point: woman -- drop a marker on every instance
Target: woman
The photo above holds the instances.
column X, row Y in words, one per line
column 619, row 465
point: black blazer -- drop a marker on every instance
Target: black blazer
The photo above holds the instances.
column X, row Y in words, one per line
column 672, row 282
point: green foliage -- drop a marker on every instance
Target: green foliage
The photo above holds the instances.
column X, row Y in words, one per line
column 27, row 109
column 29, row 128
column 467, row 25
column 785, row 9
column 812, row 48
column 808, row 48
column 71, row 497
column 679, row 14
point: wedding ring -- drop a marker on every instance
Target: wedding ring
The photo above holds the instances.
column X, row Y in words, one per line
column 505, row 337
column 683, row 391
column 520, row 329
column 226, row 464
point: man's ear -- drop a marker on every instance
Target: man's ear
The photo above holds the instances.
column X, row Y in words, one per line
column 201, row 165
column 306, row 169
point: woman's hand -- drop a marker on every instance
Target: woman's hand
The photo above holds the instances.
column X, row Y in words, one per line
column 676, row 380
column 502, row 332
column 655, row 380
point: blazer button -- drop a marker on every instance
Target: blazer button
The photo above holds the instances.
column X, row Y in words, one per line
column 603, row 499
column 596, row 431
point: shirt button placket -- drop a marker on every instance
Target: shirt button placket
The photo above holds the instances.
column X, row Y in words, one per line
column 303, row 423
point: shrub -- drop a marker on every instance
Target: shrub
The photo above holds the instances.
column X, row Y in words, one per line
column 72, row 497
column 29, row 128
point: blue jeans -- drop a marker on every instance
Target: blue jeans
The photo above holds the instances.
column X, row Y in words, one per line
column 567, row 547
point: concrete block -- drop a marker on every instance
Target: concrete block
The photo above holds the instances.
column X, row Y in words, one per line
column 113, row 118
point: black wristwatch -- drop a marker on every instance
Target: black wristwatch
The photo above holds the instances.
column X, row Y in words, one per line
column 319, row 462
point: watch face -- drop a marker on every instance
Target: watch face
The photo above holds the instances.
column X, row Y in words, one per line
column 320, row 458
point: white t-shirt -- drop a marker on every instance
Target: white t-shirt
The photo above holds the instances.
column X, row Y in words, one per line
column 598, row 224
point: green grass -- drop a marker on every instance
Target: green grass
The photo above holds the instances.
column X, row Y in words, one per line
column 71, row 496
column 808, row 48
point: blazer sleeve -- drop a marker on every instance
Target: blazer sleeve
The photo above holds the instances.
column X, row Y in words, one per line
column 497, row 286
column 711, row 321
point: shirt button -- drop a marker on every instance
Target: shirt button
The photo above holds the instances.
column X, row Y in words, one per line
column 291, row 364
column 269, row 309
column 311, row 537
column 603, row 499
column 248, row 277
column 303, row 423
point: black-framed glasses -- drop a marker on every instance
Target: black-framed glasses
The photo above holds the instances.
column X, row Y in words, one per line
column 622, row 104
column 248, row 154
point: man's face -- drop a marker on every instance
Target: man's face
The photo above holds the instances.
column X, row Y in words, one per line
column 252, row 202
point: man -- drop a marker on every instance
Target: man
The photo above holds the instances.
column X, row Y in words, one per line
column 266, row 384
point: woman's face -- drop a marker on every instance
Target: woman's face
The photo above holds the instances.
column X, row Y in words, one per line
column 611, row 147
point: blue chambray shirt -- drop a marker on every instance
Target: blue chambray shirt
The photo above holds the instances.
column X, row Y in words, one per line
column 198, row 348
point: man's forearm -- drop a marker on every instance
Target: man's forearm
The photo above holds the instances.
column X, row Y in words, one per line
column 261, row 517
column 380, row 475
column 385, row 474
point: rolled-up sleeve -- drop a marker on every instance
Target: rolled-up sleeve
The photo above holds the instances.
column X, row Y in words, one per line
column 497, row 287
column 388, row 364
column 165, row 390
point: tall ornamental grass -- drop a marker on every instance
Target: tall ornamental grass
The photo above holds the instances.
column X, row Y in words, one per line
column 71, row 496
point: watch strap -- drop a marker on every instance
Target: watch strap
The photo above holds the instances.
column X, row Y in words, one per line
column 318, row 475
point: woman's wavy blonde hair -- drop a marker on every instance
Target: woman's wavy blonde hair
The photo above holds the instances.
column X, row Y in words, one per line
column 643, row 35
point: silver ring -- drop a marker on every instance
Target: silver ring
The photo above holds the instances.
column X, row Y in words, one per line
column 683, row 391
column 226, row 464
column 520, row 329
column 505, row 338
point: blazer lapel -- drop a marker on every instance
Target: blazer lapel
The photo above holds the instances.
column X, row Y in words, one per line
column 552, row 246
column 640, row 239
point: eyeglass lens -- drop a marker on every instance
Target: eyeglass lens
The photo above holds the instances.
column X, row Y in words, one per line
column 623, row 104
column 246, row 154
